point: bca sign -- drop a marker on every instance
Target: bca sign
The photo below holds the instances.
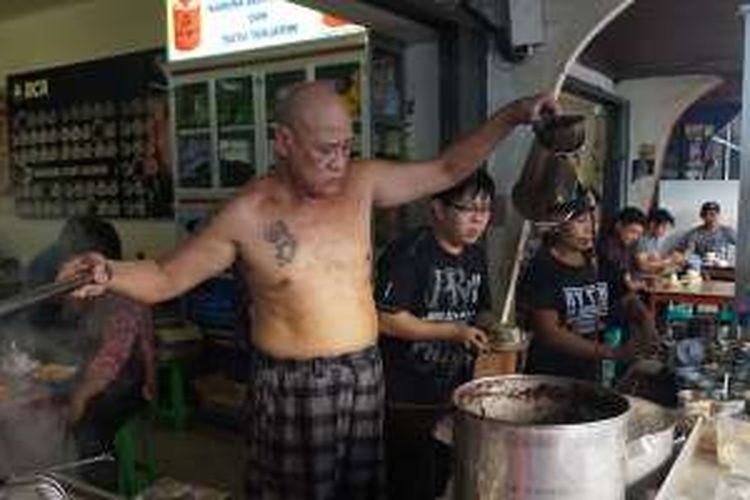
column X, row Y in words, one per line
column 31, row 89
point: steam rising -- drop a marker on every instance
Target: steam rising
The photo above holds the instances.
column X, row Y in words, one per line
column 34, row 428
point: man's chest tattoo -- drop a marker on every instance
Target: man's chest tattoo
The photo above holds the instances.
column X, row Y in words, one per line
column 283, row 241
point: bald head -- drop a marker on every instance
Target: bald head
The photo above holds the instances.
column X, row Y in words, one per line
column 313, row 138
column 303, row 103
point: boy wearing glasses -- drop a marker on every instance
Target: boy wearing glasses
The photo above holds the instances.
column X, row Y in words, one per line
column 433, row 299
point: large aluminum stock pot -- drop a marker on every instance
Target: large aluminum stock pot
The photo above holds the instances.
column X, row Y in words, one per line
column 521, row 437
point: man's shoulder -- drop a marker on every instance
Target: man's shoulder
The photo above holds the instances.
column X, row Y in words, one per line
column 542, row 258
column 475, row 252
column 367, row 166
column 260, row 188
column 252, row 198
column 412, row 243
column 409, row 251
column 363, row 170
column 545, row 269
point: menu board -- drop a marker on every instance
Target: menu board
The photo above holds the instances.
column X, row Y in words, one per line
column 91, row 138
column 205, row 28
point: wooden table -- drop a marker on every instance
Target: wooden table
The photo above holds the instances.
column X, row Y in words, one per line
column 706, row 292
column 717, row 273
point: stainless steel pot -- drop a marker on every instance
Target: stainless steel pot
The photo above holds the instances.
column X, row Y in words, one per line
column 523, row 437
column 650, row 438
column 40, row 487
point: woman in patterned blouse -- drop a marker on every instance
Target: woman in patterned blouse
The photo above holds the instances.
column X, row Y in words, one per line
column 115, row 336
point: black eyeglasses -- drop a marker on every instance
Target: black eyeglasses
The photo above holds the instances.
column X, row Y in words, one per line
column 471, row 209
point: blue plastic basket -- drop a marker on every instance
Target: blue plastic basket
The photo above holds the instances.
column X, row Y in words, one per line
column 214, row 304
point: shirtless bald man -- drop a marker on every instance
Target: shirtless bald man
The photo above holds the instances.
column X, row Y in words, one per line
column 302, row 233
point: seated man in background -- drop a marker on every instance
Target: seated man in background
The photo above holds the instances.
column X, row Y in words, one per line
column 563, row 301
column 711, row 237
column 433, row 301
column 616, row 252
column 652, row 255
column 617, row 260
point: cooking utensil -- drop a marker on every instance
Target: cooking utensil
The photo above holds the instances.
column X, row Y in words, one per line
column 560, row 133
column 650, row 434
column 549, row 178
column 32, row 477
column 102, row 457
column 650, row 438
column 41, row 487
column 670, row 487
column 526, row 437
column 510, row 294
column 41, row 293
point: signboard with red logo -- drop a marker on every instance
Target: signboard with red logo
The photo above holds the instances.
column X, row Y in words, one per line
column 205, row 28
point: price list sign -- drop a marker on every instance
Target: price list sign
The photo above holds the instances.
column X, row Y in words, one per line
column 91, row 138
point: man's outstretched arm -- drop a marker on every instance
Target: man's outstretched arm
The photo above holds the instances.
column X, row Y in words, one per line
column 396, row 183
column 152, row 281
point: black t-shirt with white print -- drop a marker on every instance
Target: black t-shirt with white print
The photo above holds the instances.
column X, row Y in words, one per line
column 582, row 301
column 415, row 274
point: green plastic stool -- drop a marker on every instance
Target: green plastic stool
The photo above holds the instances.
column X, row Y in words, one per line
column 133, row 474
column 726, row 315
column 173, row 406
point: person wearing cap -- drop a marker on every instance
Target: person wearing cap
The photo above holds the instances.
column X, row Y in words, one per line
column 652, row 255
column 565, row 303
column 711, row 237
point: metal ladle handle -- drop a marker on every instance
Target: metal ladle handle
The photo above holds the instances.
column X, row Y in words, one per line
column 41, row 293
column 32, row 477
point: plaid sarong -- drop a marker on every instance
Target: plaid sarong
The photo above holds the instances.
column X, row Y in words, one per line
column 315, row 428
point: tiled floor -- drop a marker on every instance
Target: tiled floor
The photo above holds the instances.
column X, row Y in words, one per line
column 203, row 454
column 207, row 455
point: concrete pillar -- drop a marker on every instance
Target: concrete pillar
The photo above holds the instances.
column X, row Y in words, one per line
column 569, row 26
column 656, row 104
column 743, row 216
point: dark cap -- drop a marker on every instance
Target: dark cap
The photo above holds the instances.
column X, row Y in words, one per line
column 710, row 206
column 661, row 216
column 585, row 201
